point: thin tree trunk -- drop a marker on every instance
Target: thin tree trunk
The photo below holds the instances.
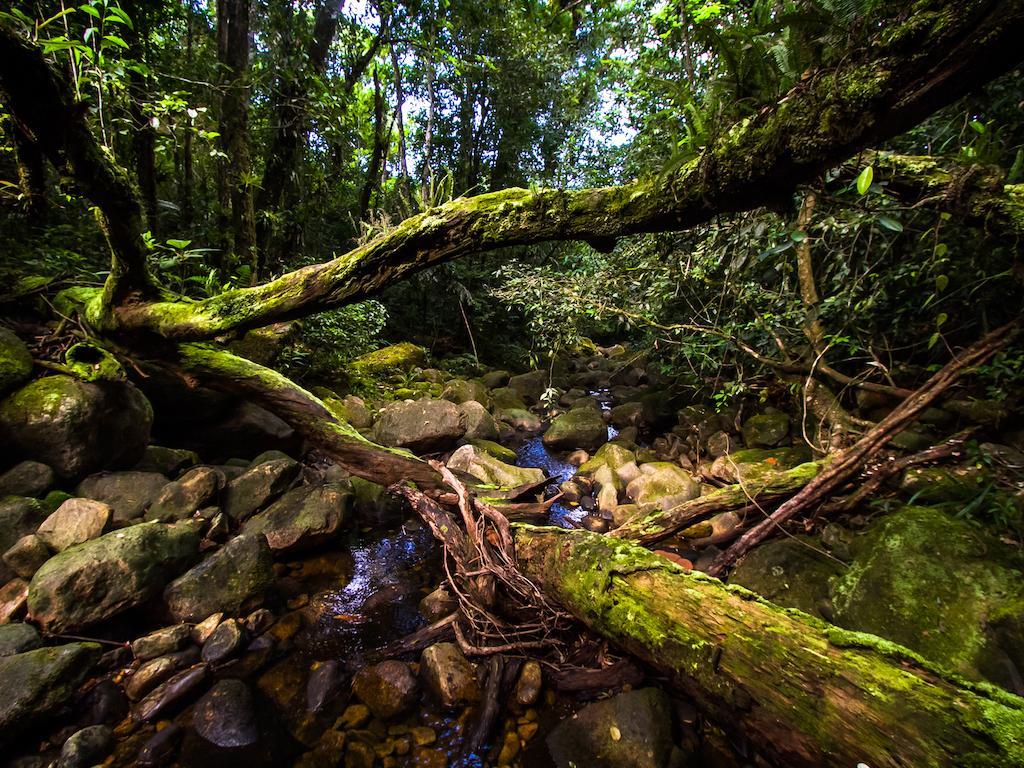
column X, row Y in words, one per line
column 377, row 153
column 403, row 160
column 233, row 54
column 31, row 173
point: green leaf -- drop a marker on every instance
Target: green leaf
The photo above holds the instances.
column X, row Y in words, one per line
column 978, row 127
column 941, row 282
column 179, row 244
column 890, row 224
column 942, row 318
column 864, row 180
column 116, row 40
column 941, row 249
column 798, row 236
column 90, row 10
column 933, row 340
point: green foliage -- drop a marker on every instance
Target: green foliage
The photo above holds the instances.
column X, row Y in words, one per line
column 329, row 340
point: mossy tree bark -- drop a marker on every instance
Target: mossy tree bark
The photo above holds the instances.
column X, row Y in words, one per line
column 803, row 692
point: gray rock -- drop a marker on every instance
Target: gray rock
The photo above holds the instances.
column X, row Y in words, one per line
column 790, row 572
column 629, row 730
column 528, row 686
column 449, row 676
column 480, row 425
column 27, row 478
column 27, row 555
column 166, row 461
column 77, row 427
column 529, row 386
column 495, row 379
column 303, row 518
column 388, row 688
column 161, row 642
column 662, row 485
column 15, row 361
column 76, row 521
column 254, row 489
column 13, row 600
column 86, row 747
column 422, row 426
column 325, row 682
column 18, row 517
column 438, row 604
column 226, row 715
column 232, row 580
column 168, row 694
column 461, row 391
column 103, row 577
column 35, row 683
column 128, row 494
column 182, row 498
column 18, row 638
column 223, row 641
column 161, row 747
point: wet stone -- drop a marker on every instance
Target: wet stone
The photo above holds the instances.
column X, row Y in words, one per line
column 86, row 747
column 13, row 600
column 528, row 685
column 166, row 461
column 128, row 494
column 202, row 631
column 223, row 642
column 251, row 491
column 226, row 715
column 161, row 642
column 449, row 675
column 354, row 716
column 388, row 688
column 182, row 498
column 161, row 747
column 171, row 693
column 105, row 704
column 28, row 478
column 325, row 682
column 149, row 676
column 437, row 604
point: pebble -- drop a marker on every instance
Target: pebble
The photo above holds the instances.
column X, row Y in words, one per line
column 148, row 676
column 161, row 642
column 223, row 641
column 160, row 748
column 528, row 685
column 85, row 747
column 325, row 681
column 226, row 716
column 171, row 692
column 202, row 631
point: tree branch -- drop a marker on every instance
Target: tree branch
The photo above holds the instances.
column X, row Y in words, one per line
column 923, row 57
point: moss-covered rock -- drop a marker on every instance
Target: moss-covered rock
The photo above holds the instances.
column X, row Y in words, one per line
column 496, row 450
column 582, row 427
column 77, row 427
column 941, row 587
column 792, row 572
column 529, row 386
column 617, row 457
column 232, row 580
column 490, row 470
column 303, row 518
column 15, row 361
column 941, row 484
column 766, row 430
column 36, row 683
column 480, row 425
column 662, row 485
column 128, row 494
column 103, row 577
column 753, row 463
column 397, row 358
column 463, row 390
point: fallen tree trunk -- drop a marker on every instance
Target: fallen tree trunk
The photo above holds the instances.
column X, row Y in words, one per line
column 805, row 693
column 773, row 486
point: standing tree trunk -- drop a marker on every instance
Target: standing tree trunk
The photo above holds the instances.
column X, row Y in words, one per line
column 233, row 56
column 31, row 173
column 379, row 150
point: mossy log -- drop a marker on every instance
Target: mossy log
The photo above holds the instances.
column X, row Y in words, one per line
column 804, row 693
column 765, row 489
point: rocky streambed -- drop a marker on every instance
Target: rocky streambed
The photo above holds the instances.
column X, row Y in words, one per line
column 227, row 600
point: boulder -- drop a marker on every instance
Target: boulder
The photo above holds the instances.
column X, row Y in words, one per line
column 182, row 498
column 254, row 489
column 27, row 478
column 629, row 730
column 397, row 358
column 224, row 641
column 582, row 427
column 752, row 464
column 18, row 517
column 128, row 494
column 351, row 409
column 77, row 427
column 791, row 572
column 617, row 457
column 480, row 425
column 935, row 485
column 529, row 386
column 940, row 586
column 423, row 426
column 75, row 522
column 35, row 683
column 305, row 517
column 461, row 391
column 13, row 600
column 495, row 379
column 766, row 430
column 18, row 638
column 15, row 361
column 232, row 580
column 106, row 576
column 226, row 715
column 520, row 420
column 388, row 688
column 490, row 470
column 449, row 676
column 506, row 398
column 166, row 461
column 662, row 485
